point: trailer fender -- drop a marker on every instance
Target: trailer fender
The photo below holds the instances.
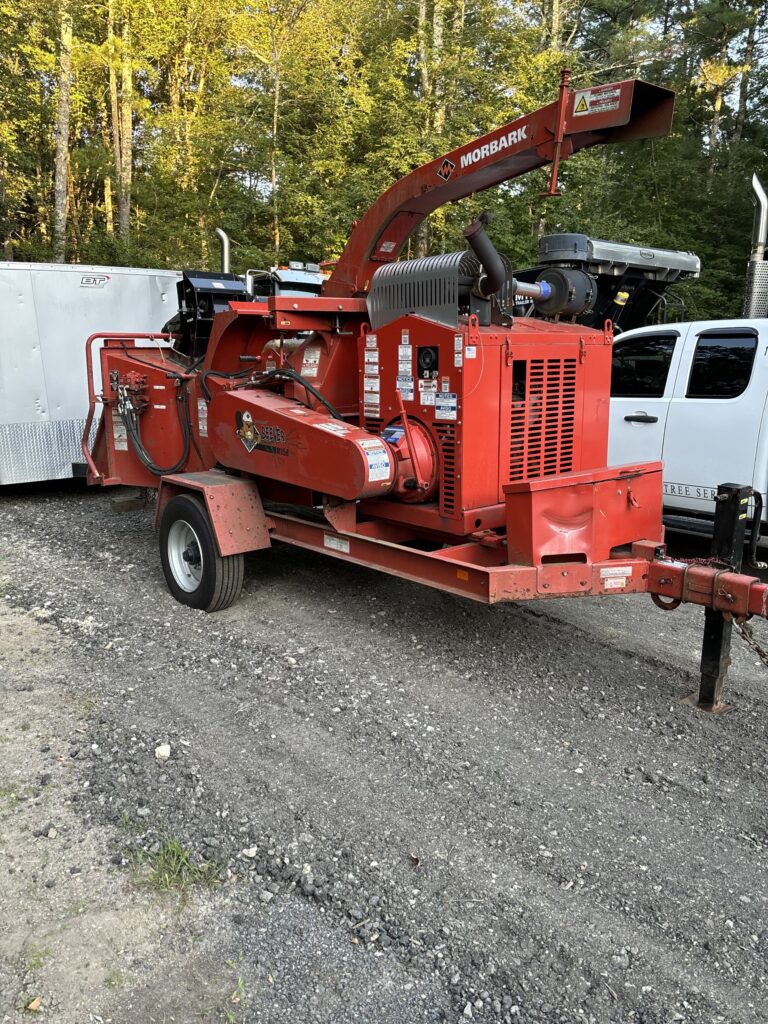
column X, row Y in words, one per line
column 234, row 507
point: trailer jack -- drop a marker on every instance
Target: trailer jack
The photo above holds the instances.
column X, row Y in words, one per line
column 724, row 570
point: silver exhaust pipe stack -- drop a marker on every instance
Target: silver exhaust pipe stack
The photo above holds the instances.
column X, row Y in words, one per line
column 224, row 242
column 756, row 293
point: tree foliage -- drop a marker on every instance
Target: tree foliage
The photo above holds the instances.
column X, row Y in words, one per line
column 281, row 120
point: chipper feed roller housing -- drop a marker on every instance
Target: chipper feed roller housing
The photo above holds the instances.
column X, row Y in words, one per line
column 404, row 419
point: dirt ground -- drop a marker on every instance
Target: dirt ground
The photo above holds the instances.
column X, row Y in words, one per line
column 380, row 803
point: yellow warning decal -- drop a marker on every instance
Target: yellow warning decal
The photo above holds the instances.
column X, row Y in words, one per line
column 581, row 105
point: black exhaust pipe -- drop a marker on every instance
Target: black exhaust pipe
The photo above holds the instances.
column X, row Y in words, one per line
column 495, row 272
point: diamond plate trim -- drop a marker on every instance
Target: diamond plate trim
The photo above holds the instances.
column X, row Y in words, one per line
column 40, row 451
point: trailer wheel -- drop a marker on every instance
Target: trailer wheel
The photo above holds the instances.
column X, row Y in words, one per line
column 196, row 574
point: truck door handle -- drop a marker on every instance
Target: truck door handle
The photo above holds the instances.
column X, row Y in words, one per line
column 641, row 417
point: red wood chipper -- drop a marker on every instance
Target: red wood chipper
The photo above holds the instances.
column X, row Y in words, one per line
column 404, row 419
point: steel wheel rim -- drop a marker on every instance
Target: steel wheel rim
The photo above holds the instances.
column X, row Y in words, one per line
column 183, row 539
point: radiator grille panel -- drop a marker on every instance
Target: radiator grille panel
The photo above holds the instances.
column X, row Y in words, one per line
column 446, row 435
column 542, row 422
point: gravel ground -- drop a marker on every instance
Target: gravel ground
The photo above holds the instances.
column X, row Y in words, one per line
column 420, row 809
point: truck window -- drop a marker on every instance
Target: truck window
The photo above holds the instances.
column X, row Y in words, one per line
column 640, row 366
column 722, row 365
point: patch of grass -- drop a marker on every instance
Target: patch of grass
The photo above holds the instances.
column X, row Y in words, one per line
column 9, row 793
column 172, row 869
column 28, row 1003
column 239, row 993
column 114, row 979
column 87, row 704
column 37, row 958
column 12, row 794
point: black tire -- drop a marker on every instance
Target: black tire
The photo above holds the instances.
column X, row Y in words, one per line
column 196, row 574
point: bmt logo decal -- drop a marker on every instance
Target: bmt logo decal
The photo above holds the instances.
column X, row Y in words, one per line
column 262, row 436
column 494, row 146
column 93, row 280
column 247, row 431
column 446, row 169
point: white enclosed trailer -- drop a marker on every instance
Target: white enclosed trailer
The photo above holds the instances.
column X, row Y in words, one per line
column 47, row 311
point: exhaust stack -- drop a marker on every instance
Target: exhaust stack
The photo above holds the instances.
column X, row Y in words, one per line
column 224, row 242
column 756, row 293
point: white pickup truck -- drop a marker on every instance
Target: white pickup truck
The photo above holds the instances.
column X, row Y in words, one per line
column 695, row 396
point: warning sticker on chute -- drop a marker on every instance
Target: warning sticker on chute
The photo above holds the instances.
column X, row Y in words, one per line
column 377, row 456
column 371, row 384
column 370, row 341
column 470, row 352
column 596, row 101
column 310, row 361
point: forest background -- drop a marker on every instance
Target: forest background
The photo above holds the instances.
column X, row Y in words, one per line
column 130, row 129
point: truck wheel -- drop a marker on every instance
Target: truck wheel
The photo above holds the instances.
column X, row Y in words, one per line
column 196, row 574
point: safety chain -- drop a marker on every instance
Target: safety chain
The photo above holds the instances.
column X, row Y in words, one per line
column 749, row 638
column 716, row 563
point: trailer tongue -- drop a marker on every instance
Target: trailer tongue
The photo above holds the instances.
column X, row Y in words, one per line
column 403, row 419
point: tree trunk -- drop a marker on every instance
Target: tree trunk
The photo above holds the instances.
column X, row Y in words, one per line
column 114, row 107
column 61, row 167
column 126, row 136
column 556, row 26
column 438, row 37
column 109, row 216
column 273, row 157
column 747, row 59
column 717, row 114
column 423, row 49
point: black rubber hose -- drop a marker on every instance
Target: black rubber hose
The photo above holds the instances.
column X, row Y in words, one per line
column 289, row 374
column 220, row 373
column 284, row 372
column 133, row 431
column 493, row 265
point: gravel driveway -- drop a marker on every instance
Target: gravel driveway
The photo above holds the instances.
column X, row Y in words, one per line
column 419, row 809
